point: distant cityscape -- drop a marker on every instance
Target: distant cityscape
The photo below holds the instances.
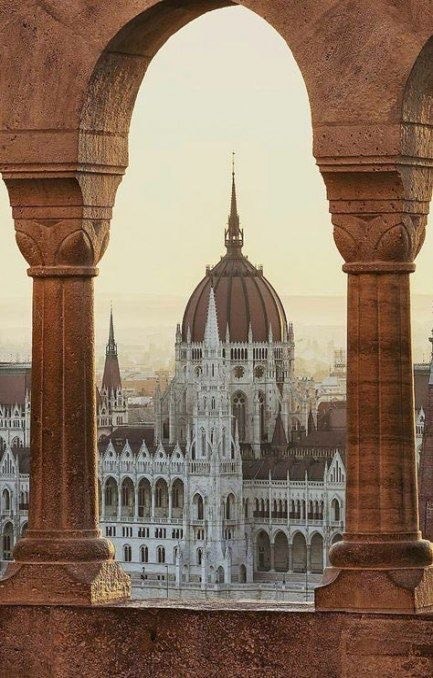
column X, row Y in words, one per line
column 221, row 462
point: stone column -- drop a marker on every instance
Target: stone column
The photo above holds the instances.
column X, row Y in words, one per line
column 290, row 558
column 382, row 563
column 62, row 558
column 136, row 502
column 170, row 504
column 152, row 515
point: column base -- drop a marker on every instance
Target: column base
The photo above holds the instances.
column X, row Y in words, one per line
column 405, row 590
column 82, row 583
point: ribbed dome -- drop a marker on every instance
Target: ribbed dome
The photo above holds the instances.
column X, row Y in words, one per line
column 243, row 295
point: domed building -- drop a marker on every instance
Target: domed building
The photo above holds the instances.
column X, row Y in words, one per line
column 236, row 307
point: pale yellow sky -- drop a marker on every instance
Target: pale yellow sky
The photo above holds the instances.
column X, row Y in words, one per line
column 226, row 81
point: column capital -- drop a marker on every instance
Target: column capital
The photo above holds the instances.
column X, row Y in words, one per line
column 379, row 214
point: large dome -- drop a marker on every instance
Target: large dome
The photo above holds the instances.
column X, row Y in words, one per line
column 243, row 296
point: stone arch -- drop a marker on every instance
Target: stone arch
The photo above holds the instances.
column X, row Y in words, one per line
column 144, row 498
column 111, row 493
column 299, row 548
column 263, row 551
column 127, row 498
column 316, row 553
column 281, row 552
column 242, row 574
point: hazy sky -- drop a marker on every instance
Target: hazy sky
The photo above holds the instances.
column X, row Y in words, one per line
column 226, row 81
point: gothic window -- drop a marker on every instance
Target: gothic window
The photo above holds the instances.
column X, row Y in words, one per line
column 259, row 372
column 161, row 494
column 335, row 508
column 6, row 500
column 199, row 556
column 144, row 493
column 177, row 494
column 239, row 407
column 262, row 416
column 160, row 553
column 239, row 371
column 203, row 442
column 198, row 503
column 230, row 507
column 144, row 554
column 127, row 553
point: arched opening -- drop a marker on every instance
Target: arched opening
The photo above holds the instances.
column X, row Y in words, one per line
column 220, row 578
column 177, row 498
column 316, row 553
column 242, row 574
column 144, row 554
column 8, row 541
column 6, row 500
column 239, row 413
column 336, row 538
column 263, row 551
column 161, row 498
column 299, row 553
column 335, row 510
column 127, row 553
column 128, row 499
column 199, row 556
column 198, row 511
column 144, row 498
column 160, row 554
column 281, row 552
column 111, row 498
column 262, row 416
column 230, row 507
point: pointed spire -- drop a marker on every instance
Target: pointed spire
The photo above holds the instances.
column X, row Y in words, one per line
column 111, row 348
column 250, row 334
column 227, row 334
column 111, row 380
column 234, row 235
column 211, row 334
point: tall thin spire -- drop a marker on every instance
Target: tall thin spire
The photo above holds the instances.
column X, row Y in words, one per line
column 111, row 378
column 234, row 235
column 211, row 334
column 111, row 348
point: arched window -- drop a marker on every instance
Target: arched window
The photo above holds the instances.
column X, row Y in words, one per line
column 7, row 541
column 127, row 497
column 177, row 498
column 144, row 498
column 111, row 498
column 161, row 497
column 127, row 553
column 239, row 413
column 6, row 500
column 262, row 416
column 160, row 554
column 199, row 556
column 335, row 510
column 198, row 503
column 144, row 554
column 230, row 507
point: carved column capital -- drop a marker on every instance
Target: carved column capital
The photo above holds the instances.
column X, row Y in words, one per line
column 62, row 222
column 379, row 216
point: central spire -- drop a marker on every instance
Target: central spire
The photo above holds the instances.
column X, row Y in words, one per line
column 234, row 235
column 111, row 348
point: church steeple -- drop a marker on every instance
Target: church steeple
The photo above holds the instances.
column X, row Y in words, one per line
column 111, row 379
column 234, row 235
column 111, row 348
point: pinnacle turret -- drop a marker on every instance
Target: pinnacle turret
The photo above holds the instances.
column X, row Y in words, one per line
column 211, row 334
